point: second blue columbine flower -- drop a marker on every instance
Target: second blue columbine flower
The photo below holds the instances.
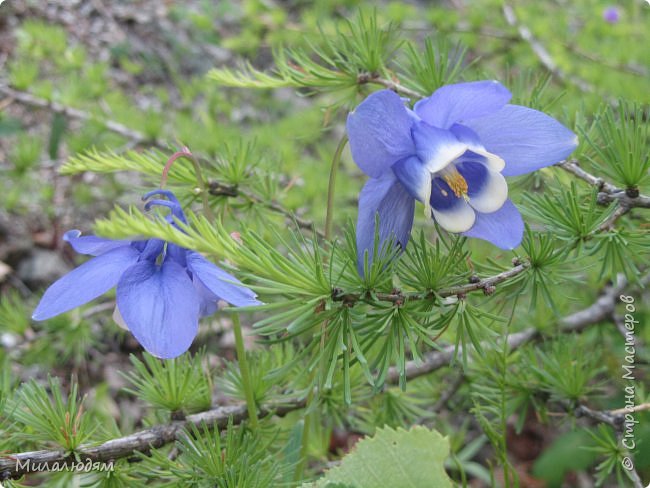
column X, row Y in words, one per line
column 451, row 152
column 162, row 289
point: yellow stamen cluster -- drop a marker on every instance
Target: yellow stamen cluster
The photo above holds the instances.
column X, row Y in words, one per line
column 456, row 182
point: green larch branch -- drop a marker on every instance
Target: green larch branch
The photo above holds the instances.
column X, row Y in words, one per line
column 16, row 465
column 398, row 297
column 626, row 199
column 216, row 188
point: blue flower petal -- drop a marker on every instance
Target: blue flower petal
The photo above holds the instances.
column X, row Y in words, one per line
column 462, row 101
column 92, row 245
column 85, row 283
column 151, row 249
column 387, row 197
column 415, row 177
column 209, row 301
column 442, row 196
column 166, row 193
column 526, row 139
column 172, row 203
column 177, row 210
column 224, row 285
column 487, row 190
column 160, row 306
column 503, row 228
column 470, row 138
column 177, row 253
column 379, row 130
column 436, row 148
column 451, row 212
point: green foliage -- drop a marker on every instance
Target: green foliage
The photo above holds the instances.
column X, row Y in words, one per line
column 13, row 314
column 180, row 385
column 7, row 391
column 50, row 419
column 532, row 89
column 394, row 408
column 41, row 40
column 607, row 446
column 119, row 477
column 9, row 125
column 150, row 163
column 81, row 338
column 571, row 214
column 361, row 48
column 242, row 458
column 396, row 458
column 567, row 453
column 620, row 144
column 26, row 154
column 428, row 266
column 549, row 266
column 23, row 74
column 472, row 326
column 439, row 64
column 268, row 384
column 566, row 370
column 496, row 396
column 620, row 251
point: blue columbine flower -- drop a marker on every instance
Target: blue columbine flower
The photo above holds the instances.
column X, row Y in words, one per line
column 162, row 289
column 451, row 152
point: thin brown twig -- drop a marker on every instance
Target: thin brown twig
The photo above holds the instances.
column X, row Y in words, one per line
column 449, row 393
column 637, row 408
column 631, row 68
column 365, row 78
column 121, row 129
column 572, row 167
column 399, row 297
column 640, row 201
column 216, row 188
column 541, row 52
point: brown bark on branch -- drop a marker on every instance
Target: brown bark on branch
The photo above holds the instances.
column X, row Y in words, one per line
column 16, row 465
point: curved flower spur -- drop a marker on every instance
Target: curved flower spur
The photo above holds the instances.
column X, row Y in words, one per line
column 451, row 152
column 162, row 289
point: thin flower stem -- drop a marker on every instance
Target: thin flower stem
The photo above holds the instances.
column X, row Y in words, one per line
column 312, row 397
column 203, row 188
column 168, row 165
column 336, row 162
column 304, row 441
column 245, row 372
column 508, row 474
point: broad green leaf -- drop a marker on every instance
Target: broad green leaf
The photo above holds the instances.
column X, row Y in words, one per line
column 395, row 458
